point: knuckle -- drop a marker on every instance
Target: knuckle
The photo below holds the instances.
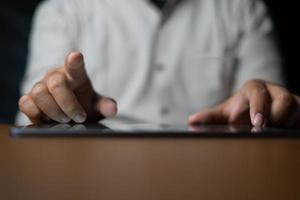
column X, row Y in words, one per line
column 255, row 88
column 23, row 100
column 39, row 90
column 57, row 80
column 261, row 91
column 53, row 71
column 286, row 98
column 26, row 106
column 35, row 114
column 253, row 82
column 254, row 85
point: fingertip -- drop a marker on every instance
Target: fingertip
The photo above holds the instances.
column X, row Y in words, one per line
column 192, row 119
column 198, row 118
column 80, row 117
column 211, row 116
column 74, row 59
column 258, row 120
column 75, row 56
column 108, row 107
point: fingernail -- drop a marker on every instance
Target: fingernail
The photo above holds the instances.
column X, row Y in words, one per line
column 79, row 118
column 258, row 120
column 75, row 59
column 65, row 119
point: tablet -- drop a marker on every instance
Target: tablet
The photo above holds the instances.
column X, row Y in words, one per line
column 146, row 130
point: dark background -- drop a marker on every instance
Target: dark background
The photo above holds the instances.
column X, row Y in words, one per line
column 15, row 21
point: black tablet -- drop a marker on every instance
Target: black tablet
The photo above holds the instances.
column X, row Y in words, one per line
column 146, row 130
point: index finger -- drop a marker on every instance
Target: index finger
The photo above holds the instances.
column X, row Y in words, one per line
column 75, row 69
column 260, row 103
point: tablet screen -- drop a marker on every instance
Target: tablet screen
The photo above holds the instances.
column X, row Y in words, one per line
column 146, row 129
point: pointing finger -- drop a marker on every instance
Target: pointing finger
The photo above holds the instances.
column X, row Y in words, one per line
column 75, row 69
column 260, row 103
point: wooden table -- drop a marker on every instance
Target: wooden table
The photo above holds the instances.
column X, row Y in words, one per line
column 148, row 168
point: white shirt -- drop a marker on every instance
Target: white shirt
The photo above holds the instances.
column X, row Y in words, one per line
column 159, row 68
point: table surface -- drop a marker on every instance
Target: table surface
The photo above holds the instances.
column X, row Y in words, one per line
column 148, row 168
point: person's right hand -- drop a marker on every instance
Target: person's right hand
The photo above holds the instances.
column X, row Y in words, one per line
column 66, row 94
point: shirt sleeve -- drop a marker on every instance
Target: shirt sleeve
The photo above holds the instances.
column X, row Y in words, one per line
column 258, row 55
column 52, row 38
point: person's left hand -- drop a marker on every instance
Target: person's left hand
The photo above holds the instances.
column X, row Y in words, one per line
column 257, row 103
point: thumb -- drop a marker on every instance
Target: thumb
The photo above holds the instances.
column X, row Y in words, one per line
column 106, row 107
column 75, row 69
column 210, row 116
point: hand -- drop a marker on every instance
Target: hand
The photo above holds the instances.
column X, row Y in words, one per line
column 66, row 94
column 257, row 103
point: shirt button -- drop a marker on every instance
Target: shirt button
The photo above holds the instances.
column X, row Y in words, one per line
column 165, row 111
column 160, row 68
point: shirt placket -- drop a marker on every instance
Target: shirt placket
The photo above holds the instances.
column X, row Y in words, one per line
column 160, row 69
